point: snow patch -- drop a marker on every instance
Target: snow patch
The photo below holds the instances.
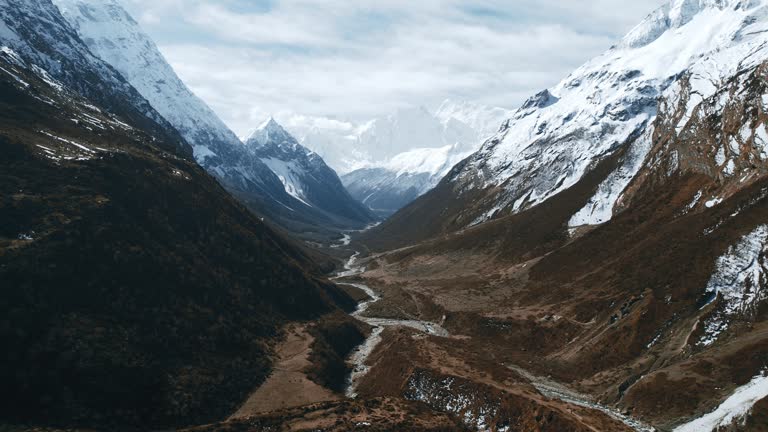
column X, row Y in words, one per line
column 732, row 410
column 290, row 175
column 739, row 280
column 713, row 202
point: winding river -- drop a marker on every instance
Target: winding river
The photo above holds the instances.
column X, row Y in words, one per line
column 360, row 355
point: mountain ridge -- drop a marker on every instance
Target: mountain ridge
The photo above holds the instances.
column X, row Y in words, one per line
column 607, row 104
column 138, row 293
column 117, row 38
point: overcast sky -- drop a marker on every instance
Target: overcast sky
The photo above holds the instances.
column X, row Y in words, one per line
column 356, row 59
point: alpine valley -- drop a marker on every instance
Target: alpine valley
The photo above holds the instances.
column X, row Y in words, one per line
column 595, row 260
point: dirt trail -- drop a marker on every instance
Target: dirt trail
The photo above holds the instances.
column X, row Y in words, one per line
column 288, row 385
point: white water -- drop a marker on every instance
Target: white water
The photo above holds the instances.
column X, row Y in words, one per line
column 343, row 242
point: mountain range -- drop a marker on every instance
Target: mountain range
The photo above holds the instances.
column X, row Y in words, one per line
column 389, row 161
column 610, row 236
column 595, row 260
column 136, row 290
column 115, row 37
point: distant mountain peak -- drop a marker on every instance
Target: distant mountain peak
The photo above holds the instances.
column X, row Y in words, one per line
column 271, row 132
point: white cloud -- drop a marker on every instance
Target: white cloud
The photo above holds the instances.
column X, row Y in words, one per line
column 357, row 59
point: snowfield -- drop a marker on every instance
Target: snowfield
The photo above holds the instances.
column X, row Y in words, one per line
column 732, row 410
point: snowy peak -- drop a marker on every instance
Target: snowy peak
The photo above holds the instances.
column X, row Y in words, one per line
column 265, row 182
column 38, row 33
column 271, row 132
column 303, row 174
column 676, row 14
column 485, row 120
column 115, row 37
column 610, row 104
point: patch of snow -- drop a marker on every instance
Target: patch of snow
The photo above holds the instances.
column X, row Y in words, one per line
column 43, row 75
column 720, row 156
column 695, row 201
column 26, row 237
column 11, row 54
column 761, row 141
column 739, row 280
column 599, row 209
column 290, row 175
column 713, row 202
column 70, row 142
column 730, row 168
column 15, row 77
column 732, row 410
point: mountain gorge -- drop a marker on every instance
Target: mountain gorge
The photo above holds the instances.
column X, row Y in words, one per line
column 592, row 261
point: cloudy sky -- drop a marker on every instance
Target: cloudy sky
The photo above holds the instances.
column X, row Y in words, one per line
column 356, row 59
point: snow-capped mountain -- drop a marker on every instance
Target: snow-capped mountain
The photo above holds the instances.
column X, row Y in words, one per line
column 127, row 264
column 390, row 185
column 304, row 174
column 389, row 161
column 347, row 146
column 36, row 31
column 608, row 106
column 115, row 37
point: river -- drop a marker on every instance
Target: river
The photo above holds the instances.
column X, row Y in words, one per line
column 360, row 355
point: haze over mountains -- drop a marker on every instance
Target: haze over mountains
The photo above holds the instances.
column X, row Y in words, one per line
column 593, row 261
column 387, row 162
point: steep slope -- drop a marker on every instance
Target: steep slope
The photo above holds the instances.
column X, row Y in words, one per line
column 136, row 291
column 412, row 150
column 306, row 177
column 36, row 31
column 114, row 36
column 659, row 311
column 604, row 108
